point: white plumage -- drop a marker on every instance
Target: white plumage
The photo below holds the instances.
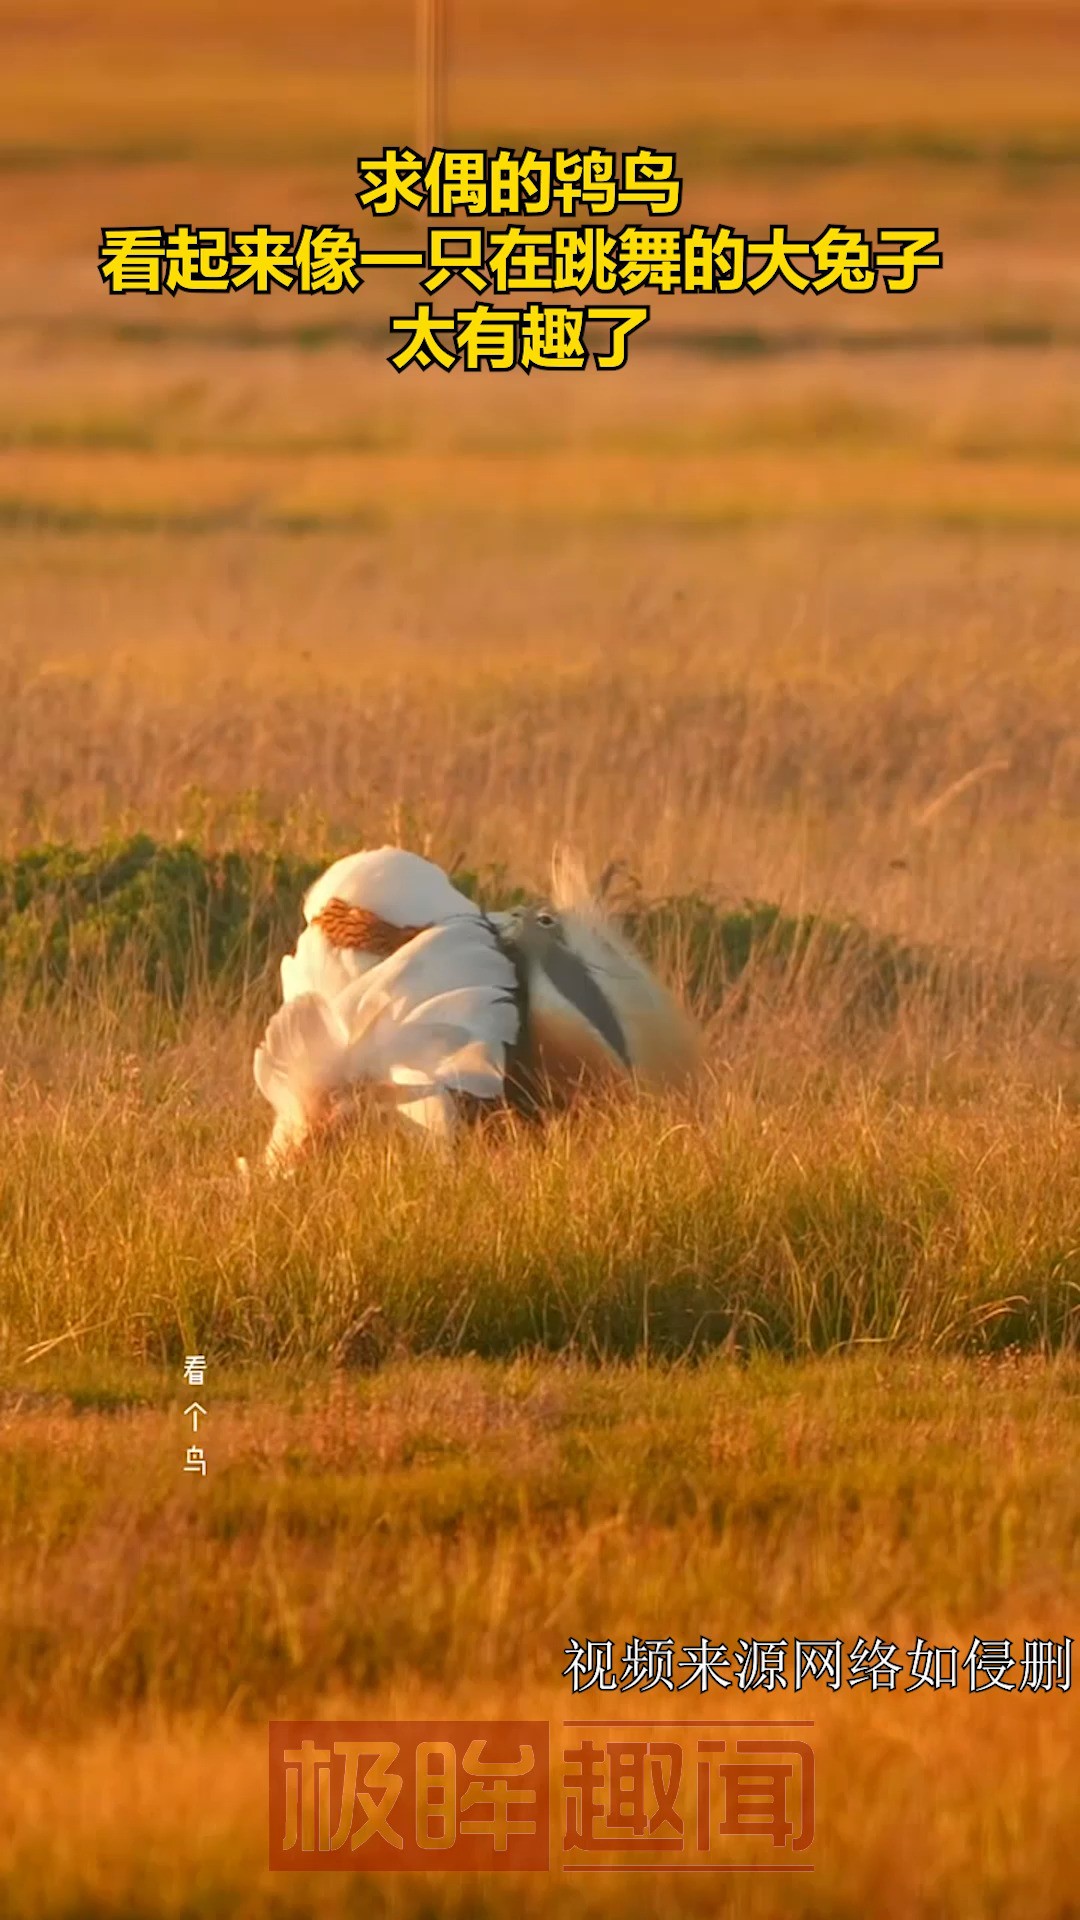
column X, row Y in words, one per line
column 388, row 881
column 438, row 1017
column 401, row 984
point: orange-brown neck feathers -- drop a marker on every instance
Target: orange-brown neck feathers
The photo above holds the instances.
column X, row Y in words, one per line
column 365, row 932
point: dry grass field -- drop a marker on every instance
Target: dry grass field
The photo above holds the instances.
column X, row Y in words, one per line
column 788, row 612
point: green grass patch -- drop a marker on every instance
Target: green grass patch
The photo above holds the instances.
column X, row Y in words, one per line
column 184, row 920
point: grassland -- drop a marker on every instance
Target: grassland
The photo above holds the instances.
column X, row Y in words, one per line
column 787, row 613
column 429, row 1534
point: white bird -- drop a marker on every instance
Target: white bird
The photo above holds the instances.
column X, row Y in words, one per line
column 401, row 983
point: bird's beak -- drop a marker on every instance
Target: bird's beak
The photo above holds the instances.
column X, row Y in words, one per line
column 572, row 979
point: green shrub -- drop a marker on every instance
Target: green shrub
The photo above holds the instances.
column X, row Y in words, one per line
column 175, row 920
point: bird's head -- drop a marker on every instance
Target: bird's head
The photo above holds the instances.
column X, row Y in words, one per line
column 543, row 943
column 533, row 930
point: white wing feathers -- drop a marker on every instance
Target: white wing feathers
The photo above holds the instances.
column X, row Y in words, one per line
column 317, row 967
column 458, row 954
column 299, row 1061
column 452, row 980
column 433, row 1020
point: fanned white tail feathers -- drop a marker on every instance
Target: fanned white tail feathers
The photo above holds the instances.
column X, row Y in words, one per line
column 298, row 1063
column 297, row 1068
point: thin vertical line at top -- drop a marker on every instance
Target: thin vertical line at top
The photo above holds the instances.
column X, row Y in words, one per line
column 430, row 72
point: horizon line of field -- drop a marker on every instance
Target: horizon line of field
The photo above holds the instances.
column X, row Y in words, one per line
column 46, row 518
column 1001, row 333
column 695, row 146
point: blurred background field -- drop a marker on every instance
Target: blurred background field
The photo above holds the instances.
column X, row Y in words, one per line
column 784, row 616
column 745, row 612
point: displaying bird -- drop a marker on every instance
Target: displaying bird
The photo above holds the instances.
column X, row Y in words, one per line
column 400, row 983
